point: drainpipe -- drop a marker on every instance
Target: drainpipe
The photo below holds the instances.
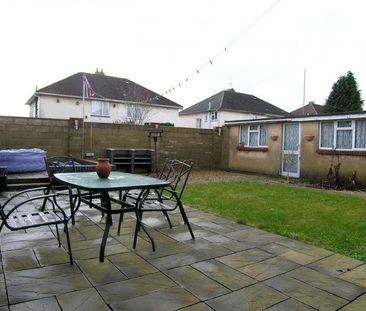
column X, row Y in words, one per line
column 37, row 106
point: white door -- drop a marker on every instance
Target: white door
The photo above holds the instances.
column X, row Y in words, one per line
column 291, row 150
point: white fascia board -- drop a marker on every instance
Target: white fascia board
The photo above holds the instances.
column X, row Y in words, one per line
column 361, row 115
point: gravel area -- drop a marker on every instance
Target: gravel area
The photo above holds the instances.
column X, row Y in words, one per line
column 217, row 175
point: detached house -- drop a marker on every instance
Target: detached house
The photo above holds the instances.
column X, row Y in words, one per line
column 110, row 100
column 227, row 106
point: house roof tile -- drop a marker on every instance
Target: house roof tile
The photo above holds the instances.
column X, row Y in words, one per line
column 234, row 101
column 310, row 109
column 107, row 87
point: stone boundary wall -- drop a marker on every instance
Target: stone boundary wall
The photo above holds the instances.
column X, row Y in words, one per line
column 64, row 137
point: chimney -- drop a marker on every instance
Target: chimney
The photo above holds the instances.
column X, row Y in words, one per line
column 101, row 72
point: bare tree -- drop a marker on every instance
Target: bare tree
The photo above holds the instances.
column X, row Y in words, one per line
column 136, row 114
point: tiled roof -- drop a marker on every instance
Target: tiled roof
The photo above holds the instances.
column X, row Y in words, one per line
column 310, row 109
column 234, row 101
column 107, row 87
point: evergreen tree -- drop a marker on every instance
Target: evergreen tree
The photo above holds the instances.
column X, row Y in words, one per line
column 345, row 95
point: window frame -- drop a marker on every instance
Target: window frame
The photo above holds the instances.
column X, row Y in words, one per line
column 249, row 131
column 337, row 128
column 213, row 115
column 198, row 123
column 102, row 109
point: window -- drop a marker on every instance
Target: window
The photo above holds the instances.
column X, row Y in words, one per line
column 198, row 123
column 213, row 115
column 100, row 108
column 343, row 135
column 253, row 135
column 134, row 112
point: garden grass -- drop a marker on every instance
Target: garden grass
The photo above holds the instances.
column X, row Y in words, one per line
column 329, row 220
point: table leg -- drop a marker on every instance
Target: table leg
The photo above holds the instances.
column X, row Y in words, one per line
column 107, row 203
column 143, row 195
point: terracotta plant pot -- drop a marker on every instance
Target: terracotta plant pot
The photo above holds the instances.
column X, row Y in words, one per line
column 309, row 137
column 274, row 137
column 103, row 168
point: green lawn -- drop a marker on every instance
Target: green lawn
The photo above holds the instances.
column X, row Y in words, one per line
column 330, row 220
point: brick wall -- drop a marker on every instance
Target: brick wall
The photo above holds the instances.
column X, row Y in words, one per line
column 64, row 137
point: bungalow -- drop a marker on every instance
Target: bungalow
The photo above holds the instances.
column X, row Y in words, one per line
column 300, row 146
column 110, row 100
column 225, row 106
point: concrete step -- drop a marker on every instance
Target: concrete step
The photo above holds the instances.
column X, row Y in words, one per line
column 23, row 186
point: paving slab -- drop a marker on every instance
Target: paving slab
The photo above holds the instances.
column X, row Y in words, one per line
column 356, row 276
column 197, row 283
column 181, row 233
column 255, row 297
column 178, row 260
column 254, row 236
column 51, row 255
column 357, row 305
column 127, row 241
column 223, row 274
column 19, row 260
column 268, row 268
column 197, row 307
column 27, row 240
column 290, row 305
column 164, row 250
column 91, row 232
column 307, row 249
column 211, row 249
column 336, row 264
column 230, row 244
column 99, row 274
column 87, row 299
column 244, row 258
column 3, row 297
column 288, row 253
column 116, row 292
column 89, row 253
column 132, row 265
column 44, row 304
column 309, row 295
column 51, row 280
column 167, row 299
column 327, row 283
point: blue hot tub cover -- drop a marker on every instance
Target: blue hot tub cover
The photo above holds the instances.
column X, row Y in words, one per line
column 23, row 160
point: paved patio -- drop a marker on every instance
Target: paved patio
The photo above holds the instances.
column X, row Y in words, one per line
column 228, row 267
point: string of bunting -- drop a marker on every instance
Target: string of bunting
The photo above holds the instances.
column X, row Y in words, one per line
column 211, row 61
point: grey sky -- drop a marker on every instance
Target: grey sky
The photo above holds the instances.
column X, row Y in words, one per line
column 160, row 43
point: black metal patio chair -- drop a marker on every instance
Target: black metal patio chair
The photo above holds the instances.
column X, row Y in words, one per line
column 167, row 199
column 61, row 164
column 33, row 208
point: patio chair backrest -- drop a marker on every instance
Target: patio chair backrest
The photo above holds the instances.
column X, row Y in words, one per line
column 177, row 172
column 60, row 164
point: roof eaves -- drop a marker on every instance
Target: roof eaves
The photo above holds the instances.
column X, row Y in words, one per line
column 30, row 100
column 120, row 101
column 324, row 117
